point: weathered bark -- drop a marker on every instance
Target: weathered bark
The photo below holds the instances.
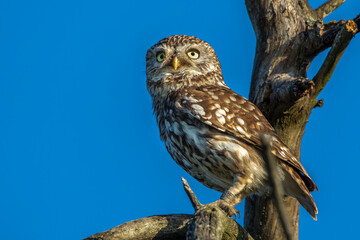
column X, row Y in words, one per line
column 206, row 223
column 213, row 223
column 154, row 227
column 289, row 35
column 328, row 7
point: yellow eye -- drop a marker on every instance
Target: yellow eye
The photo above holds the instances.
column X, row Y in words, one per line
column 194, row 54
column 160, row 56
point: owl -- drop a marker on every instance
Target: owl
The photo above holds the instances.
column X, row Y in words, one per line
column 212, row 132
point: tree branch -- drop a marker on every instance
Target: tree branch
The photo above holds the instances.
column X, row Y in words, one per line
column 328, row 8
column 329, row 31
column 193, row 199
column 357, row 21
column 278, row 191
column 341, row 41
column 154, row 227
column 211, row 222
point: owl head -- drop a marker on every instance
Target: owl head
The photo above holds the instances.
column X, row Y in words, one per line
column 181, row 61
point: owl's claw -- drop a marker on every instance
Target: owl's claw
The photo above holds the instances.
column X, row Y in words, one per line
column 226, row 207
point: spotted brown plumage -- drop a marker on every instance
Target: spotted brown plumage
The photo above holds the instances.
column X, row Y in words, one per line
column 211, row 131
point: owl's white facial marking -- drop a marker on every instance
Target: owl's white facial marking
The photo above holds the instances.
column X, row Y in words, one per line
column 160, row 76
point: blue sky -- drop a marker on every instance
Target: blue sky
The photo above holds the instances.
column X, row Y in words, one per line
column 79, row 148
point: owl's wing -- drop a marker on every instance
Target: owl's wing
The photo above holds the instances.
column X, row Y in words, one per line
column 226, row 111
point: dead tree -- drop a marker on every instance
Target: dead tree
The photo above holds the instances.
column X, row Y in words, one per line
column 289, row 35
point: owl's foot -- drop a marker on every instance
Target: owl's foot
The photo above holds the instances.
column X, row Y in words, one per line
column 226, row 207
column 223, row 204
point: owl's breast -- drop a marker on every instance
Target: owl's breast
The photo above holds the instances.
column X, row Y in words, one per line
column 209, row 155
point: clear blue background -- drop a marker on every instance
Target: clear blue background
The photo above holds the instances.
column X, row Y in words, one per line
column 79, row 147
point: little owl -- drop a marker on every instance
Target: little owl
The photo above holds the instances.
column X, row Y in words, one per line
column 212, row 132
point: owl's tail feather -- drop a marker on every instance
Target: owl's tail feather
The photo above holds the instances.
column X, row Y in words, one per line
column 308, row 203
column 295, row 187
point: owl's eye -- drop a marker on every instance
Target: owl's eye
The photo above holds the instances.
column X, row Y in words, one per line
column 194, row 54
column 160, row 56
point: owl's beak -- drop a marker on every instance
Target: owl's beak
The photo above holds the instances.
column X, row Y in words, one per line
column 176, row 63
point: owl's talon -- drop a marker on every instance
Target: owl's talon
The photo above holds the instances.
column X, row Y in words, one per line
column 226, row 207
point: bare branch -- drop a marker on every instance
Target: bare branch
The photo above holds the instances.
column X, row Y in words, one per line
column 278, row 192
column 331, row 29
column 193, row 199
column 328, row 8
column 341, row 41
column 154, row 227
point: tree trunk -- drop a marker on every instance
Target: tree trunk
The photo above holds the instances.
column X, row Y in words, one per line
column 289, row 35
